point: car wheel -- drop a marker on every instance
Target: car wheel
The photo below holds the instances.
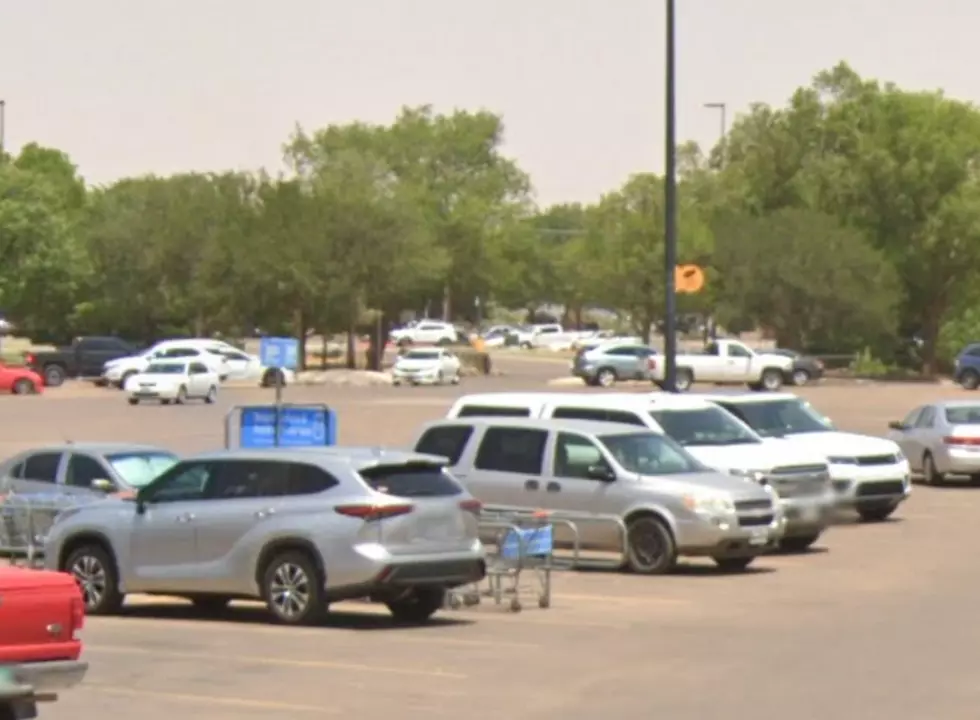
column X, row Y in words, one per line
column 181, row 395
column 875, row 513
column 443, row 342
column 606, row 377
column 293, row 589
column 22, row 387
column 211, row 396
column 771, row 379
column 683, row 380
column 733, row 564
column 457, row 378
column 970, row 380
column 95, row 572
column 210, row 604
column 418, row 605
column 798, row 543
column 800, row 377
column 930, row 475
column 525, row 346
column 125, row 377
column 133, row 401
column 164, row 401
column 650, row 547
column 54, row 375
column 440, row 378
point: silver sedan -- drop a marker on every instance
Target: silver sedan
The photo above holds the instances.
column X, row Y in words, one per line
column 941, row 439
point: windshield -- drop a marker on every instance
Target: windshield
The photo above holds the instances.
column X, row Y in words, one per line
column 138, row 469
column 704, row 426
column 965, row 415
column 778, row 418
column 166, row 368
column 648, row 453
column 421, row 355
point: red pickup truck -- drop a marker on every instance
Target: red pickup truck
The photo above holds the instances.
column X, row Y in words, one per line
column 41, row 613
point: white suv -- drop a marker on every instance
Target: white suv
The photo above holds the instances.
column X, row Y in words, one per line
column 425, row 332
column 116, row 372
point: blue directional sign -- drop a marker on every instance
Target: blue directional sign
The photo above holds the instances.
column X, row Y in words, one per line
column 279, row 352
column 298, row 426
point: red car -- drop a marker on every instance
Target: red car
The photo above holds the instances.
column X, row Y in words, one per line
column 41, row 615
column 20, row 380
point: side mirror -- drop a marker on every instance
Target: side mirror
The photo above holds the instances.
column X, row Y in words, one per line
column 896, row 425
column 602, row 473
column 102, row 485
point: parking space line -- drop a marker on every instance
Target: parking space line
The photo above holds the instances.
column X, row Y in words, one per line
column 271, row 661
column 210, row 699
column 628, row 600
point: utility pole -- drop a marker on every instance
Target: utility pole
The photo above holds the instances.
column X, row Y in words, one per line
column 670, row 209
column 722, row 109
column 3, row 126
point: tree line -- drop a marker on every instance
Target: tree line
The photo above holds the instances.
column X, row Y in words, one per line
column 847, row 220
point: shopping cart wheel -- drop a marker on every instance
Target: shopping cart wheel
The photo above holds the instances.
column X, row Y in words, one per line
column 515, row 605
column 455, row 601
column 544, row 603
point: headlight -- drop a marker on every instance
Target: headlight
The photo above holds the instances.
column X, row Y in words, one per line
column 753, row 475
column 842, row 460
column 710, row 504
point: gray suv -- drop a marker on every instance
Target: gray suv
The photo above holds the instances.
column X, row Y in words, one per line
column 298, row 528
column 671, row 504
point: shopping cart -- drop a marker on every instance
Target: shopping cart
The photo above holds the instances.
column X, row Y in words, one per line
column 25, row 520
column 520, row 560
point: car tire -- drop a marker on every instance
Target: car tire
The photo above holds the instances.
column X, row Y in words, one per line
column 95, row 572
column 418, row 605
column 930, row 475
column 211, row 396
column 440, row 378
column 133, row 401
column 970, row 380
column 875, row 513
column 181, row 395
column 605, row 377
column 733, row 564
column 771, row 379
column 525, row 346
column 800, row 377
column 293, row 589
column 683, row 379
column 23, row 387
column 125, row 377
column 650, row 546
column 457, row 378
column 798, row 543
column 54, row 376
column 164, row 401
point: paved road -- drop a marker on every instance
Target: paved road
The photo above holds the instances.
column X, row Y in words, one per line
column 879, row 620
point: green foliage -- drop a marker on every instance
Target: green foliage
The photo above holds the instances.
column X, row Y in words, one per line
column 867, row 365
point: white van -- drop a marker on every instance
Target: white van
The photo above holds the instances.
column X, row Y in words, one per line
column 715, row 437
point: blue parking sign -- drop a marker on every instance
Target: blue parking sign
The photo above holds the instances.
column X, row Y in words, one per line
column 279, row 352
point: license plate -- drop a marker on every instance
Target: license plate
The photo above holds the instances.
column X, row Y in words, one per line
column 438, row 530
column 759, row 537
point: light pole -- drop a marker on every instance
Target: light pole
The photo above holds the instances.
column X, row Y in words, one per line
column 3, row 125
column 722, row 109
column 670, row 210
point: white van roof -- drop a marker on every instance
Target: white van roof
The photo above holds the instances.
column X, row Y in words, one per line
column 625, row 401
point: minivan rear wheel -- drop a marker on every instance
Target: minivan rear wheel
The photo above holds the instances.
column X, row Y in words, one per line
column 650, row 547
column 417, row 605
column 293, row 590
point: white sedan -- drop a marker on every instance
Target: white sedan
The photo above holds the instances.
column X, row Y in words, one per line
column 175, row 381
column 426, row 366
column 242, row 366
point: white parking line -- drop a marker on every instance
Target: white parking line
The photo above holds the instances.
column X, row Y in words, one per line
column 208, row 699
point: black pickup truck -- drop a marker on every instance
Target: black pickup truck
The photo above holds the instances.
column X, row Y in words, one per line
column 82, row 359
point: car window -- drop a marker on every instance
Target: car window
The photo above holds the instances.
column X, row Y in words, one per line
column 198, row 368
column 623, row 351
column 493, row 411
column 600, row 414
column 83, row 469
column 234, row 355
column 42, row 467
column 910, row 419
column 446, row 441
column 927, row 418
column 515, row 450
column 963, row 415
column 306, row 479
column 574, row 455
column 429, row 326
column 703, row 427
column 185, row 481
column 648, row 453
column 236, row 479
column 973, row 351
column 181, row 352
column 412, row 480
column 738, row 351
column 139, row 469
column 17, row 470
column 711, row 349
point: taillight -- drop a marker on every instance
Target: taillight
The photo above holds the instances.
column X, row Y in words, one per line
column 367, row 511
column 77, row 615
column 968, row 441
column 30, row 358
column 651, row 363
column 472, row 505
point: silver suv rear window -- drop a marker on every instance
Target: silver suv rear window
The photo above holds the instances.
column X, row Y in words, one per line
column 411, row 480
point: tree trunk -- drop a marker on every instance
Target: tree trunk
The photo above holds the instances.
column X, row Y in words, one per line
column 352, row 340
column 301, row 332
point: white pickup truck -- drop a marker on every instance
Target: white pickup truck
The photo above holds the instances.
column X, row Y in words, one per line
column 551, row 336
column 728, row 362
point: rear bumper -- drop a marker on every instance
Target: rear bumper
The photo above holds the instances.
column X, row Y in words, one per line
column 396, row 577
column 41, row 679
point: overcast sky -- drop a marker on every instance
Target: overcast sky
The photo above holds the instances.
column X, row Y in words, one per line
column 134, row 86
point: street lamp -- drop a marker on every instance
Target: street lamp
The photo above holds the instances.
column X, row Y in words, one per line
column 722, row 109
column 670, row 209
column 3, row 123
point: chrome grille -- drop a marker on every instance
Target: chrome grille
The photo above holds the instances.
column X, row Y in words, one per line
column 752, row 505
column 877, row 460
column 799, row 470
column 798, row 481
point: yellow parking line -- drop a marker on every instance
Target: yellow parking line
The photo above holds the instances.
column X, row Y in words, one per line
column 272, row 661
column 210, row 699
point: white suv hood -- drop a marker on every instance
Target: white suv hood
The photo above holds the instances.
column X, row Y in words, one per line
column 838, row 444
column 762, row 456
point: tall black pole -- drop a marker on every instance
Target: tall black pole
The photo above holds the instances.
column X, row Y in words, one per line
column 3, row 126
column 670, row 213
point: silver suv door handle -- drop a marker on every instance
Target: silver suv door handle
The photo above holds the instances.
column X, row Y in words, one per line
column 265, row 513
column 187, row 517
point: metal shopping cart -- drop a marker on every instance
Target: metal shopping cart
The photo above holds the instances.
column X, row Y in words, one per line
column 25, row 520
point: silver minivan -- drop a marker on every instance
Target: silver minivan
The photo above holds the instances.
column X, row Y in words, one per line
column 671, row 504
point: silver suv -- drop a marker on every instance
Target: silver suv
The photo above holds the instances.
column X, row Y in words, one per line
column 672, row 505
column 298, row 528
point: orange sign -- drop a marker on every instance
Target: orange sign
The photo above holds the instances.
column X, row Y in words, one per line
column 688, row 279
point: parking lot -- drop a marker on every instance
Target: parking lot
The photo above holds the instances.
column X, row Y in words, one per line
column 877, row 620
